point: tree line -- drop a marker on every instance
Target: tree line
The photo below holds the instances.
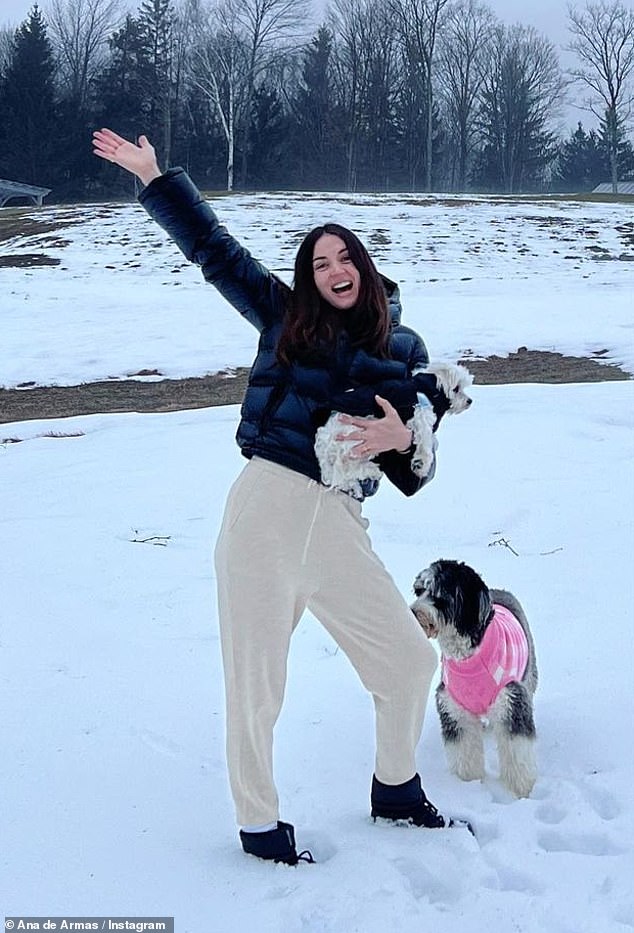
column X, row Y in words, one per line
column 415, row 95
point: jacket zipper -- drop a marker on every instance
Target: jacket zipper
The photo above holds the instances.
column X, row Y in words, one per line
column 275, row 400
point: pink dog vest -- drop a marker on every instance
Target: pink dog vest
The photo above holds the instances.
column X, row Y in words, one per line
column 475, row 682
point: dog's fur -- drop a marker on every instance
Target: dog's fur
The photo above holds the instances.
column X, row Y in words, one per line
column 454, row 380
column 454, row 605
column 340, row 471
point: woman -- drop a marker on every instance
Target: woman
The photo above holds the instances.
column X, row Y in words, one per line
column 288, row 543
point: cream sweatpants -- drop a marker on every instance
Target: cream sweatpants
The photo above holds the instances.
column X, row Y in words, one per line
column 286, row 544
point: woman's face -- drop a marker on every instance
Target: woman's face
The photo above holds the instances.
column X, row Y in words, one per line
column 336, row 277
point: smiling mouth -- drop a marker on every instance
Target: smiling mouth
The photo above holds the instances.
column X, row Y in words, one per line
column 342, row 288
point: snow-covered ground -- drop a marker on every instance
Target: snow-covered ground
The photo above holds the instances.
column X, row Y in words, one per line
column 475, row 275
column 114, row 794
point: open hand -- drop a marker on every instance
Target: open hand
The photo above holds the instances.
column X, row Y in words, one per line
column 377, row 435
column 140, row 160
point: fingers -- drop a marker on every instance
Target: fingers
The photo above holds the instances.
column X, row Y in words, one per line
column 385, row 405
column 365, row 446
column 105, row 144
column 360, row 422
column 109, row 136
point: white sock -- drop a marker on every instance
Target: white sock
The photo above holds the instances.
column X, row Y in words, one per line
column 260, row 829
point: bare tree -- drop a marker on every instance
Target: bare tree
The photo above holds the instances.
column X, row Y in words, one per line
column 603, row 40
column 79, row 31
column 345, row 19
column 364, row 63
column 269, row 29
column 6, row 46
column 417, row 23
column 383, row 76
column 464, row 50
column 185, row 33
column 218, row 68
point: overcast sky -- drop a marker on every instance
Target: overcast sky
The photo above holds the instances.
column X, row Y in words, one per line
column 548, row 16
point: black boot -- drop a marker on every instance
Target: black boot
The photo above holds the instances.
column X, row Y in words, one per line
column 275, row 845
column 407, row 802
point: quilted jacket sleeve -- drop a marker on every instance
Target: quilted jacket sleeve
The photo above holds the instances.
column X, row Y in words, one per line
column 398, row 466
column 174, row 202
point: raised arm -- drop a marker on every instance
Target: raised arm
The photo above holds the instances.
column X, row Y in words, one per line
column 174, row 202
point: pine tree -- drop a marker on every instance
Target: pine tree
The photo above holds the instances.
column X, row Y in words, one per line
column 519, row 91
column 582, row 161
column 269, row 139
column 616, row 145
column 157, row 20
column 603, row 39
column 28, row 107
column 123, row 98
column 318, row 145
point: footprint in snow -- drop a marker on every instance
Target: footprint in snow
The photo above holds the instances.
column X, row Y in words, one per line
column 578, row 843
column 319, row 844
column 509, row 878
column 594, row 801
column 602, row 802
column 551, row 813
column 424, row 884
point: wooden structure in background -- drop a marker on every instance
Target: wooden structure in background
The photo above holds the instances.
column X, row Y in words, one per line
column 14, row 189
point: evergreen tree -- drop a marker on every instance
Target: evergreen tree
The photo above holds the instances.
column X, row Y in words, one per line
column 28, row 107
column 615, row 144
column 582, row 161
column 268, row 165
column 123, row 99
column 603, row 39
column 519, row 92
column 317, row 144
column 156, row 18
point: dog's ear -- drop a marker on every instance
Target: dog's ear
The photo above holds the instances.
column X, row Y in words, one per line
column 485, row 610
column 465, row 378
column 456, row 607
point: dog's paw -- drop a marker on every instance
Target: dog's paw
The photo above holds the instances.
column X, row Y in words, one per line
column 421, row 424
column 466, row 759
column 518, row 768
column 468, row 773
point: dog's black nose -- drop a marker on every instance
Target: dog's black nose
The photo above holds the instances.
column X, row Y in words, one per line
column 469, row 401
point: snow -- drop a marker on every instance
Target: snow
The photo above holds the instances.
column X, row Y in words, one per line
column 115, row 798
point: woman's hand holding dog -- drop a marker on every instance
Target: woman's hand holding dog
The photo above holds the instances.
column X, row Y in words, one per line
column 377, row 435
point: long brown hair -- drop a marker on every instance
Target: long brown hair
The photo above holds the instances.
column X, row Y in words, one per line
column 311, row 325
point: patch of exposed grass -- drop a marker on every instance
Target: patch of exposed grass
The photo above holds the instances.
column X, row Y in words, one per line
column 26, row 260
column 28, row 222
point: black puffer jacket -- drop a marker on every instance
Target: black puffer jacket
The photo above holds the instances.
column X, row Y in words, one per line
column 283, row 406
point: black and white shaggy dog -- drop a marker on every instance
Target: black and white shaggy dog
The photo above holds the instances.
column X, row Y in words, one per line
column 489, row 672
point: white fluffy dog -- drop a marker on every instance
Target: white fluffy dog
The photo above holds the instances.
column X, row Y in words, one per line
column 340, row 471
